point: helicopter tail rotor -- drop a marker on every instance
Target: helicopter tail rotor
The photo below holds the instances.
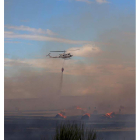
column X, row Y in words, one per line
column 48, row 55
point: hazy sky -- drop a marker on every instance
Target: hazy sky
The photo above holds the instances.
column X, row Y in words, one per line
column 103, row 68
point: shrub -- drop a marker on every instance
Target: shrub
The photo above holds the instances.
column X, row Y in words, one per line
column 73, row 131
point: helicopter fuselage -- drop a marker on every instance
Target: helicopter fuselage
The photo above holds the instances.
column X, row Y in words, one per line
column 68, row 55
column 63, row 56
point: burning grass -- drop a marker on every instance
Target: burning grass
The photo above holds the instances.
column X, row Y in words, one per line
column 60, row 115
column 73, row 131
column 85, row 116
column 110, row 115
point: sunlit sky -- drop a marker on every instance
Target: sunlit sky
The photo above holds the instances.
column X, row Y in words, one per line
column 103, row 30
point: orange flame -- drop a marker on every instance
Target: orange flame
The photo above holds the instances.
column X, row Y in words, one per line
column 79, row 108
column 87, row 114
column 110, row 115
column 61, row 115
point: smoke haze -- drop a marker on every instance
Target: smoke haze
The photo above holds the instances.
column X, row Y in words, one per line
column 101, row 73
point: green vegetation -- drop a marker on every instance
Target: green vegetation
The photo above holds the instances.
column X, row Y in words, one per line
column 73, row 131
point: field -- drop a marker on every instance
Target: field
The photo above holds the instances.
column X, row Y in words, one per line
column 37, row 125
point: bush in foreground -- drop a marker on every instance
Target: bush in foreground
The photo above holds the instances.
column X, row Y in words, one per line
column 73, row 131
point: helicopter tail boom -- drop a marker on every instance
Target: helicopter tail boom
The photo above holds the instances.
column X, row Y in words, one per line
column 49, row 55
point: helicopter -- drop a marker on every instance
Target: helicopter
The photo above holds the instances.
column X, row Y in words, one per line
column 64, row 55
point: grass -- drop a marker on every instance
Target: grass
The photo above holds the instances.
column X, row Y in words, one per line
column 73, row 131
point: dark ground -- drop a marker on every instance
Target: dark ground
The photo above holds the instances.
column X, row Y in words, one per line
column 21, row 127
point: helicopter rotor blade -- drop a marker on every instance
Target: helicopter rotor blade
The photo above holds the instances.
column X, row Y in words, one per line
column 74, row 50
column 57, row 51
